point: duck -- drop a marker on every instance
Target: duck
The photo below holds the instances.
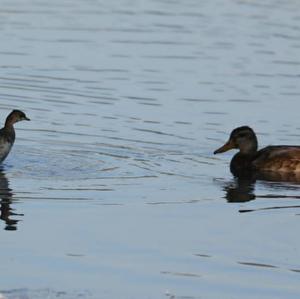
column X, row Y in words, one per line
column 280, row 159
column 7, row 133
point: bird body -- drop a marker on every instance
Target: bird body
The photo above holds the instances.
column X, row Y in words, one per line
column 7, row 133
column 279, row 158
column 5, row 148
column 282, row 158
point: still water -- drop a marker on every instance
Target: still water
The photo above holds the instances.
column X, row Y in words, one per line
column 112, row 190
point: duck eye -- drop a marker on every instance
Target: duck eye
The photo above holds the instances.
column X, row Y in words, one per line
column 242, row 135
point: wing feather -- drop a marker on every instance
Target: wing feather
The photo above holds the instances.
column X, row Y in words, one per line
column 278, row 158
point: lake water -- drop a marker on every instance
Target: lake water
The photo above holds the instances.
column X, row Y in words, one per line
column 112, row 190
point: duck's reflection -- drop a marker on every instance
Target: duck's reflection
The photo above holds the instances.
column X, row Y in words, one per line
column 240, row 190
column 242, row 187
column 6, row 198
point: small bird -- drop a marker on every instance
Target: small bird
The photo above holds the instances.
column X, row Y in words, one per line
column 7, row 133
column 276, row 159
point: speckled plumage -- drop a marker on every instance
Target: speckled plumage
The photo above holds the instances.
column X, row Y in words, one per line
column 281, row 158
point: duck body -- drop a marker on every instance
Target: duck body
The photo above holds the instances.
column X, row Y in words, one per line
column 281, row 158
column 7, row 139
column 241, row 163
column 249, row 160
column 7, row 133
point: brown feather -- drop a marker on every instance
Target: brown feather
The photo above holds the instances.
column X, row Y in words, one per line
column 278, row 158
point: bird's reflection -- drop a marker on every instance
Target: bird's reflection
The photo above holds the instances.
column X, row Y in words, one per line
column 6, row 198
column 240, row 190
column 242, row 187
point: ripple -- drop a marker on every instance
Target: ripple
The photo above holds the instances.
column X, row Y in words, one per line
column 114, row 176
column 44, row 293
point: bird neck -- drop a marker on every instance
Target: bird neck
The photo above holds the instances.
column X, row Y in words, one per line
column 9, row 129
column 241, row 164
column 249, row 148
column 9, row 123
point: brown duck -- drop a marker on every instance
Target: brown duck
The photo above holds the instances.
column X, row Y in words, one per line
column 278, row 158
column 7, row 133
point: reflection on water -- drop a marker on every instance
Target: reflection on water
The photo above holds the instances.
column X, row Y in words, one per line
column 7, row 212
column 270, row 208
column 240, row 190
column 115, row 172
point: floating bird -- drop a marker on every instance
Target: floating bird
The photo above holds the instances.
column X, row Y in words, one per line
column 7, row 133
column 276, row 159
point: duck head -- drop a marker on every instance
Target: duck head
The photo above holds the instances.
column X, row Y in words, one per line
column 242, row 138
column 15, row 116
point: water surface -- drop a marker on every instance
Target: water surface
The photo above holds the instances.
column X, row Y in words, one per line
column 112, row 190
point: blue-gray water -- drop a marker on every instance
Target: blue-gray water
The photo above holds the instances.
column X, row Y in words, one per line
column 112, row 190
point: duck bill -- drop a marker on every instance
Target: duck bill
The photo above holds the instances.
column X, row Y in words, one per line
column 226, row 147
column 26, row 118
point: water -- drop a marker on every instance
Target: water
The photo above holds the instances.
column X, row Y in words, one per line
column 112, row 190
